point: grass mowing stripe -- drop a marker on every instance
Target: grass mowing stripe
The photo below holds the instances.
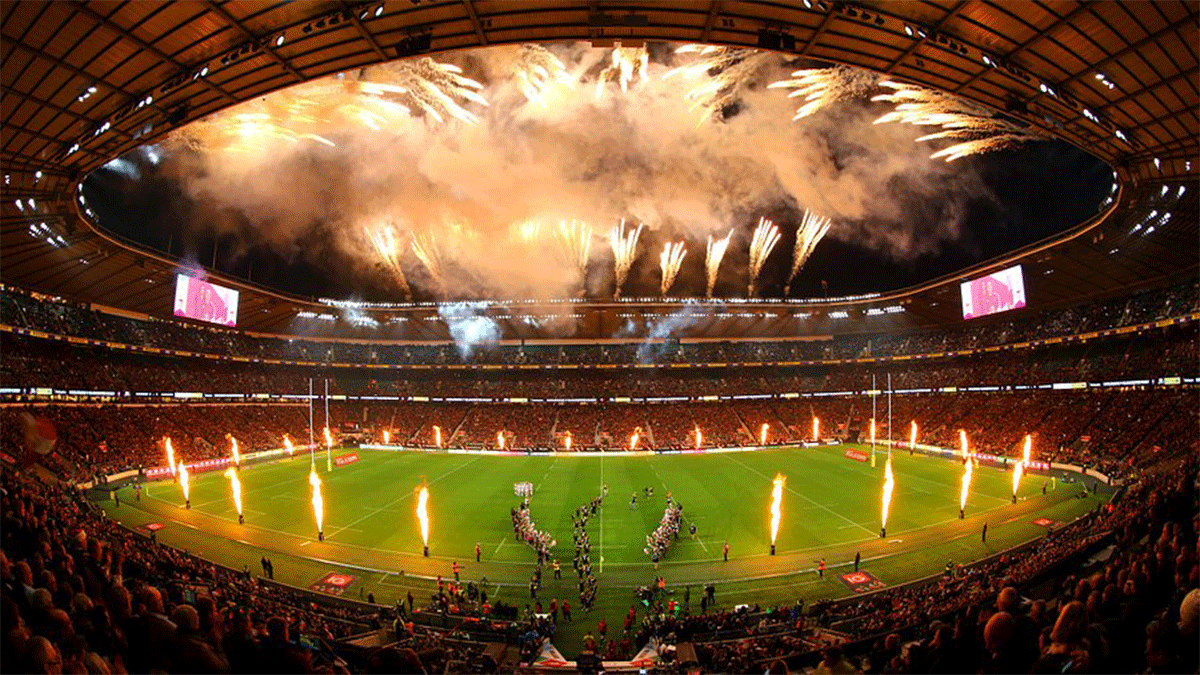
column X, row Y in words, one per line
column 405, row 495
column 801, row 495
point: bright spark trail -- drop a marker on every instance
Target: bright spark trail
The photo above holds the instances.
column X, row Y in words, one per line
column 766, row 235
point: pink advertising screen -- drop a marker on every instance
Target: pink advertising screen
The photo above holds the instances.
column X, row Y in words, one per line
column 200, row 300
column 997, row 292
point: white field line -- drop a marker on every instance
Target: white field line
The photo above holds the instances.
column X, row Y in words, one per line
column 401, row 498
column 802, row 495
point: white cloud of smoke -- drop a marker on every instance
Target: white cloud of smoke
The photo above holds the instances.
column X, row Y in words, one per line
column 469, row 326
column 645, row 155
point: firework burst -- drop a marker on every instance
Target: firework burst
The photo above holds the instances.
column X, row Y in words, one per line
column 712, row 260
column 766, row 235
column 812, row 229
column 723, row 73
column 387, row 246
column 537, row 70
column 974, row 129
column 526, row 231
column 624, row 248
column 574, row 239
column 628, row 64
column 381, row 99
column 822, row 87
column 669, row 261
column 425, row 247
column 437, row 90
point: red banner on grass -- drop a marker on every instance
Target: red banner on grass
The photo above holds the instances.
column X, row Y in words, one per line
column 346, row 459
column 857, row 455
column 334, row 583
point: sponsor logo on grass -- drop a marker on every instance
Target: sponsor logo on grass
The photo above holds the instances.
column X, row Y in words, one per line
column 346, row 459
column 1045, row 522
column 857, row 455
column 861, row 582
column 334, row 583
column 152, row 527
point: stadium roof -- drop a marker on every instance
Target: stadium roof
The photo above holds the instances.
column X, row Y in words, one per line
column 84, row 82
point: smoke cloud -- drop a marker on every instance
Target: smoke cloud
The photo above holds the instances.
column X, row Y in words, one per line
column 646, row 154
column 469, row 326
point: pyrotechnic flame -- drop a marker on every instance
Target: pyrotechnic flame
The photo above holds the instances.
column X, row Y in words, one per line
column 437, row 435
column 567, row 441
column 387, row 246
column 527, row 231
column 575, row 241
column 816, row 428
column 776, row 504
column 235, row 485
column 390, row 95
column 287, row 444
column 328, row 437
column 722, row 72
column 318, row 502
column 387, row 437
column 184, row 482
column 436, row 89
column 812, row 229
column 912, row 434
column 500, row 439
column 537, row 71
column 1019, row 468
column 628, row 63
column 889, row 484
column 975, row 128
column 426, row 249
column 669, row 261
column 423, row 513
column 699, row 437
column 712, row 261
column 968, row 467
column 821, row 87
column 624, row 248
column 170, row 453
column 762, row 433
column 634, row 437
column 766, row 235
column 233, row 448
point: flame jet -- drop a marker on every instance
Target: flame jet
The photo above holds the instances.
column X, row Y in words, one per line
column 776, row 506
column 236, row 486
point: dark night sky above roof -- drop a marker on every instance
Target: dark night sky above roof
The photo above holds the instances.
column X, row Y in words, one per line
column 1035, row 192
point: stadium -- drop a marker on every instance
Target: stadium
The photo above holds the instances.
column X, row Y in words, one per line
column 690, row 336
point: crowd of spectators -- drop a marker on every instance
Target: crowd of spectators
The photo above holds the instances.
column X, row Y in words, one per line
column 81, row 592
column 32, row 363
column 1113, row 430
column 22, row 309
column 1115, row 592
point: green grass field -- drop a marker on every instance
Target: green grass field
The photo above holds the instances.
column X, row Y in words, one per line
column 831, row 509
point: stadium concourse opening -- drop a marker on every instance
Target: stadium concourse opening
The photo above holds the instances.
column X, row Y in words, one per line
column 663, row 337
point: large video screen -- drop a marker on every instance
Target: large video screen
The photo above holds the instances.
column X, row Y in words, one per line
column 997, row 292
column 196, row 299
